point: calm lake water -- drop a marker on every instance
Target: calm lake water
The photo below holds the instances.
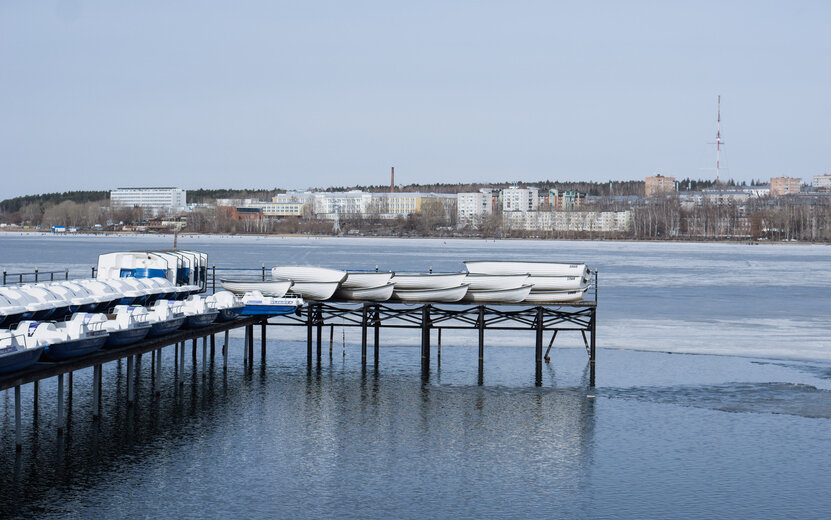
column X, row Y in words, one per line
column 713, row 400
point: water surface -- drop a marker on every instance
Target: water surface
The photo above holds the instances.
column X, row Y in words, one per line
column 741, row 429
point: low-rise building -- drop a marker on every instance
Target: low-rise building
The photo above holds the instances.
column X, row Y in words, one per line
column 575, row 221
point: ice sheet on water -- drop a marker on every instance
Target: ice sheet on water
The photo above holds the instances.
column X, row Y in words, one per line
column 771, row 398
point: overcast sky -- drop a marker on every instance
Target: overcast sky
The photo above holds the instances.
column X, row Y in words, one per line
column 97, row 95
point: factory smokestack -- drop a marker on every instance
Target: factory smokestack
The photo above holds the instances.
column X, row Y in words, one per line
column 392, row 179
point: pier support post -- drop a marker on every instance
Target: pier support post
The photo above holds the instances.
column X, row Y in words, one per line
column 319, row 323
column 245, row 347
column 377, row 336
column 60, row 404
column 18, row 434
column 263, row 339
column 213, row 347
column 538, row 343
column 251, row 346
column 550, row 343
column 425, row 336
column 193, row 352
column 225, row 352
column 363, row 335
column 309, row 311
column 331, row 339
column 96, row 391
column 438, row 349
column 592, row 347
column 131, row 390
column 481, row 325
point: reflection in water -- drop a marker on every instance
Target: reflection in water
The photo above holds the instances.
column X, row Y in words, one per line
column 332, row 429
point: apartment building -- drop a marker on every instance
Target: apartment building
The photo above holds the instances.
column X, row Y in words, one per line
column 780, row 186
column 659, row 185
column 822, row 182
column 520, row 199
column 471, row 207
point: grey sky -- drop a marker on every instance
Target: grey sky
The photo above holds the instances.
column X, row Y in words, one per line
column 96, row 95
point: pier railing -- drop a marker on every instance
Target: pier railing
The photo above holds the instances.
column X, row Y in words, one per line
column 34, row 276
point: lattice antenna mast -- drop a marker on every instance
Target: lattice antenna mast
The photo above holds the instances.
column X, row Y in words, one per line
column 718, row 140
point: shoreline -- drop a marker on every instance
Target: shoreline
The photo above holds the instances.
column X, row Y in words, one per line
column 128, row 234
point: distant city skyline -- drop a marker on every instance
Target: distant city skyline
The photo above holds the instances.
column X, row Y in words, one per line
column 96, row 95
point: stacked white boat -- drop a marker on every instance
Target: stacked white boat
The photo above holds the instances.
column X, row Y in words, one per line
column 483, row 282
column 545, row 282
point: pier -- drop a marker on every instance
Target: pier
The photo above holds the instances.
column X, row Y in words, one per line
column 540, row 319
column 154, row 346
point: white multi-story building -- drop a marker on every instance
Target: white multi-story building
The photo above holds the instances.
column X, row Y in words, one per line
column 471, row 207
column 157, row 200
column 349, row 203
column 520, row 199
column 822, row 181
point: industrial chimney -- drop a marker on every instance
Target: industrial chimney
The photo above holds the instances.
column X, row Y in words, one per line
column 392, row 179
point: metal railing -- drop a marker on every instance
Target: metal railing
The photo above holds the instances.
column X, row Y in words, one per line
column 241, row 273
column 37, row 276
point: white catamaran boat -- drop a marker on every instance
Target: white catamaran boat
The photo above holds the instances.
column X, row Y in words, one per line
column 372, row 294
column 531, row 268
column 275, row 288
column 515, row 295
column 451, row 294
column 495, row 282
column 128, row 324
column 365, row 280
column 15, row 354
column 165, row 317
column 411, row 282
column 305, row 273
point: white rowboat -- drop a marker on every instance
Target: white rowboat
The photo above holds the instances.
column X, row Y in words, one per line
column 373, row 294
column 495, row 282
column 359, row 280
column 532, row 268
column 275, row 288
column 555, row 296
column 558, row 283
column 515, row 295
column 452, row 294
column 315, row 290
column 427, row 281
column 305, row 273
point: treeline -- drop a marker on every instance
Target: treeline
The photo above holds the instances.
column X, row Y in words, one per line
column 667, row 219
column 17, row 203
